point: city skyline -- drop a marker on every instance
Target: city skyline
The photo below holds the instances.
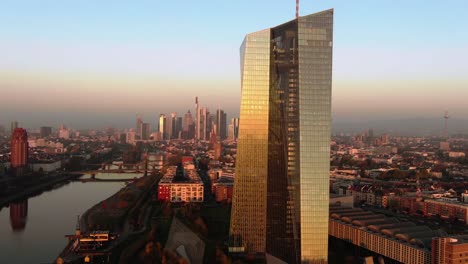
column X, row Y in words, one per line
column 233, row 132
column 80, row 62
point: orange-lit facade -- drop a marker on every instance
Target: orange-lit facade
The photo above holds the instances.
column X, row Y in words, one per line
column 456, row 253
column 19, row 148
column 450, row 250
column 190, row 190
column 280, row 201
column 446, row 210
column 164, row 192
column 401, row 241
column 398, row 250
column 223, row 192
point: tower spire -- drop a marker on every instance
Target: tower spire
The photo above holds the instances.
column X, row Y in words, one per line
column 446, row 117
column 297, row 8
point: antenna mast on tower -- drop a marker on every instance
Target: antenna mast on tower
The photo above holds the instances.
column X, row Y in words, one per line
column 297, row 8
column 446, row 117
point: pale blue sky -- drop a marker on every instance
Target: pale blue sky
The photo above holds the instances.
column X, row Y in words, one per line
column 66, row 59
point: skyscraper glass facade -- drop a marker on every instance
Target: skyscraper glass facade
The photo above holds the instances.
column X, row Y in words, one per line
column 280, row 202
column 249, row 199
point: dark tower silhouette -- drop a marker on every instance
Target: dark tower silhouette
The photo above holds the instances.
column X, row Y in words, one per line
column 18, row 215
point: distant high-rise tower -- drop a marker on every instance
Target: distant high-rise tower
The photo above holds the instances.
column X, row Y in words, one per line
column 19, row 148
column 210, row 125
column 13, row 126
column 233, row 131
column 178, row 127
column 162, row 126
column 221, row 124
column 64, row 132
column 46, row 131
column 203, row 119
column 145, row 131
column 218, row 149
column 281, row 190
column 188, row 130
column 122, row 138
column 139, row 124
column 171, row 126
column 188, row 119
column 130, row 137
column 197, row 115
column 446, row 118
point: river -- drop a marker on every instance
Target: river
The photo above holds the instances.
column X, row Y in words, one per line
column 32, row 231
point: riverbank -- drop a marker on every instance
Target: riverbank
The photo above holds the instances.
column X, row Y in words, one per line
column 124, row 214
column 33, row 229
column 35, row 190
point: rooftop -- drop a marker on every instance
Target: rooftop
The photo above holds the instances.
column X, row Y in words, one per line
column 189, row 176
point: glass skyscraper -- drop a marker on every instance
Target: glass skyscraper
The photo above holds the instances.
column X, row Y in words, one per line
column 280, row 202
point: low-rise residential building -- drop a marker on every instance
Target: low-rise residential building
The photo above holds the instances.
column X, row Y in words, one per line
column 400, row 241
column 180, row 185
column 456, row 155
column 446, row 209
column 46, row 166
column 450, row 250
column 223, row 189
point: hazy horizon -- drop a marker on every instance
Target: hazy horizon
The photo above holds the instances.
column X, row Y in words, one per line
column 410, row 126
column 91, row 65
